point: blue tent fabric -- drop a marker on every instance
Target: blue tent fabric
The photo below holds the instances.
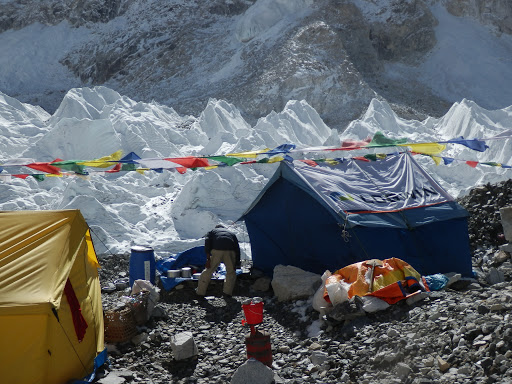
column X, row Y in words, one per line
column 99, row 361
column 193, row 256
column 298, row 220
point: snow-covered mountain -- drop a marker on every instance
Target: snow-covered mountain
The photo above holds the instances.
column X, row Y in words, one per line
column 420, row 56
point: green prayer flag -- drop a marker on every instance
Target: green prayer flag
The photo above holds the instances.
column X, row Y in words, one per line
column 371, row 156
column 71, row 165
column 38, row 177
column 128, row 167
column 226, row 160
column 379, row 140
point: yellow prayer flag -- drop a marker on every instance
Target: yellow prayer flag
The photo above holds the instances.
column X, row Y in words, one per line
column 436, row 159
column 211, row 167
column 251, row 154
column 275, row 159
column 332, row 161
column 103, row 162
column 426, row 148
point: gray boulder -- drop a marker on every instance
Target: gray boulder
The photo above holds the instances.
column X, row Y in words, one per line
column 292, row 283
column 183, row 346
column 253, row 372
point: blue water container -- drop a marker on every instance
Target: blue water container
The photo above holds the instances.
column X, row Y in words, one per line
column 142, row 264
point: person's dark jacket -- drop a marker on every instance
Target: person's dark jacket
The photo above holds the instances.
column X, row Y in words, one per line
column 222, row 240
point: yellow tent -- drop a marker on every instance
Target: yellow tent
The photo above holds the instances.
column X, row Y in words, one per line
column 51, row 316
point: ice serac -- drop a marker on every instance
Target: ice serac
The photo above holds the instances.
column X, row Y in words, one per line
column 298, row 123
column 222, row 126
column 85, row 103
column 20, row 126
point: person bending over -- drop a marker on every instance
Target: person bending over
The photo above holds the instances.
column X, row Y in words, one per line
column 221, row 246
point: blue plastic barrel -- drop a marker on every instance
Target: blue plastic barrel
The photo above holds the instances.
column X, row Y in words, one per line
column 142, row 264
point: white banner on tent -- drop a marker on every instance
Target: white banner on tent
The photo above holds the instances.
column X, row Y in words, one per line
column 394, row 183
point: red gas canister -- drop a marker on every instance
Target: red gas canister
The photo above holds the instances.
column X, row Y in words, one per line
column 258, row 347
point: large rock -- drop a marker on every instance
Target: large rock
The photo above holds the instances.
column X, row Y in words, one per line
column 292, row 283
column 183, row 346
column 506, row 222
column 253, row 372
column 495, row 276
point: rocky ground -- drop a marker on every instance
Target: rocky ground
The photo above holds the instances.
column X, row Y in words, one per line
column 461, row 334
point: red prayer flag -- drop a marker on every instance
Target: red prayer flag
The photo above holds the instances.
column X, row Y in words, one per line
column 472, row 164
column 46, row 167
column 353, row 144
column 189, row 162
column 310, row 162
column 361, row 158
column 21, row 176
column 116, row 168
column 349, row 145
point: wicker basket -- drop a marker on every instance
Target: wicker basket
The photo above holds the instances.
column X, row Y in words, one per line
column 120, row 325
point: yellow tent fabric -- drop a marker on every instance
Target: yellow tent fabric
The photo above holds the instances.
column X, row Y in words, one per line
column 39, row 252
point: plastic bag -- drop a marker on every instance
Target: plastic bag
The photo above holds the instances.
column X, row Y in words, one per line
column 319, row 303
column 154, row 293
column 436, row 282
column 373, row 304
column 338, row 291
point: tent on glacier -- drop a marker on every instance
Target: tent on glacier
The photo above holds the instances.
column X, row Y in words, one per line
column 319, row 216
column 51, row 316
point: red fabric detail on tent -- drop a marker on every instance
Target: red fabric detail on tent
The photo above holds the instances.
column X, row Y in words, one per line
column 361, row 158
column 472, row 164
column 189, row 162
column 181, row 170
column 116, row 168
column 21, row 176
column 310, row 162
column 76, row 312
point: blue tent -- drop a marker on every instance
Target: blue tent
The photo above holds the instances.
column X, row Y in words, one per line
column 331, row 215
